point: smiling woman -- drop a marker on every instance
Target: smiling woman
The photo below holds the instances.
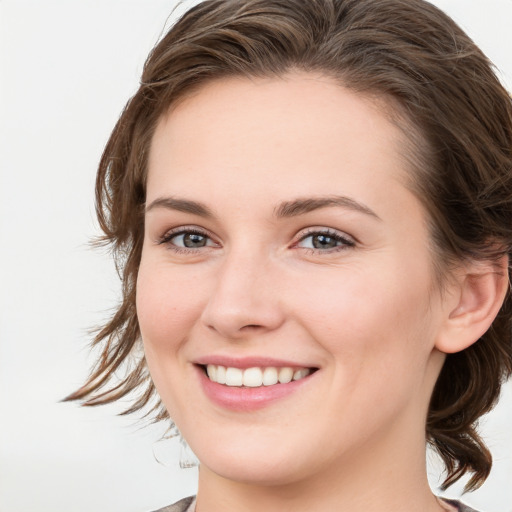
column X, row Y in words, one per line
column 312, row 206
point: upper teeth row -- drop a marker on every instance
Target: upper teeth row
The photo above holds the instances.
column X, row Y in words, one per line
column 254, row 377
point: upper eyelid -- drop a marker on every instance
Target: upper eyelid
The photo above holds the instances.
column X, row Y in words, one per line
column 188, row 229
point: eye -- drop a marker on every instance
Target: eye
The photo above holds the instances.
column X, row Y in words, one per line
column 325, row 240
column 184, row 239
column 190, row 240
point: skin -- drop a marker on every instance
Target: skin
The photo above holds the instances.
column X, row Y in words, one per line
column 365, row 313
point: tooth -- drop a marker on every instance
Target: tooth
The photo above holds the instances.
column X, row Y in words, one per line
column 234, row 377
column 220, row 375
column 253, row 377
column 211, row 370
column 300, row 374
column 270, row 376
column 285, row 375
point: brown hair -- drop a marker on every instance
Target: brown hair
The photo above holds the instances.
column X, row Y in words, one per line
column 439, row 83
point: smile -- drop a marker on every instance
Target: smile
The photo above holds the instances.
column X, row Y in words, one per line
column 254, row 377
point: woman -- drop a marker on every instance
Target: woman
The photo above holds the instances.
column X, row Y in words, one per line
column 311, row 205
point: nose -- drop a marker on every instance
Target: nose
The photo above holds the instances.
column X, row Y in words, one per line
column 245, row 299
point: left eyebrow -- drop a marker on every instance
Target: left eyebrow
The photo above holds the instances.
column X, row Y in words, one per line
column 301, row 206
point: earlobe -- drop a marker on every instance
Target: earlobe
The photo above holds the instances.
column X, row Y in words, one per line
column 480, row 291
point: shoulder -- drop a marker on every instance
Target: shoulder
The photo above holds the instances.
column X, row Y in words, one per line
column 184, row 505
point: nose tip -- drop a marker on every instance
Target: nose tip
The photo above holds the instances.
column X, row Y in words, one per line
column 244, row 302
column 241, row 317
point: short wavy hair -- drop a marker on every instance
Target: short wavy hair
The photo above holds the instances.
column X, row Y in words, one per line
column 444, row 95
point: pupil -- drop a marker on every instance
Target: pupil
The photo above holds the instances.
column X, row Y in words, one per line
column 324, row 242
column 194, row 240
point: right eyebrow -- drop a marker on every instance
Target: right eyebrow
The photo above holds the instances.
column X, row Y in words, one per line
column 180, row 205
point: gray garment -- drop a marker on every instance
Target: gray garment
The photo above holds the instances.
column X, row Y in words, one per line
column 184, row 505
column 459, row 506
column 188, row 505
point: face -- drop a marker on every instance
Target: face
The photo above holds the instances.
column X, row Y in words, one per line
column 281, row 243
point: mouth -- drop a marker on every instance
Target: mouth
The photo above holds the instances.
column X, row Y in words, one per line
column 255, row 377
column 251, row 383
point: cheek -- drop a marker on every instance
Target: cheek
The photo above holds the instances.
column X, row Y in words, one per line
column 363, row 314
column 166, row 309
column 167, row 305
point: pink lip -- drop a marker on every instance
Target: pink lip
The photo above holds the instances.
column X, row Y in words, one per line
column 248, row 399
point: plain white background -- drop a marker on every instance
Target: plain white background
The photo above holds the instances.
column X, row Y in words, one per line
column 67, row 67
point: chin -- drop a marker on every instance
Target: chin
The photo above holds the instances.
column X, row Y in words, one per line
column 259, row 473
column 252, row 464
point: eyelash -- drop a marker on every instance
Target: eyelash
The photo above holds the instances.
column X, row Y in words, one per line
column 167, row 238
column 345, row 241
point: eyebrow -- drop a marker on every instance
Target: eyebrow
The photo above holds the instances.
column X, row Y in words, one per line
column 305, row 205
column 286, row 209
column 181, row 205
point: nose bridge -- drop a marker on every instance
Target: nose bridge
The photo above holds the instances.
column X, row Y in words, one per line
column 243, row 298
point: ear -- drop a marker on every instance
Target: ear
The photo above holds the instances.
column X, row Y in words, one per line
column 478, row 292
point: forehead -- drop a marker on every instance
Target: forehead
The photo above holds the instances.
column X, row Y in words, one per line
column 305, row 121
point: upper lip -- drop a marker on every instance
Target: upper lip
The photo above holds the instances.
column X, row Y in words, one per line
column 249, row 362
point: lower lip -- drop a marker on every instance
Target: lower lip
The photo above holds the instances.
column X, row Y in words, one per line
column 246, row 398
